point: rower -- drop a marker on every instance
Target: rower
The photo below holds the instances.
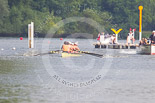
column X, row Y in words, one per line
column 152, row 37
column 66, row 47
column 75, row 47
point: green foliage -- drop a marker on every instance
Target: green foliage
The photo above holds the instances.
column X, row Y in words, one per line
column 146, row 34
column 17, row 14
column 4, row 10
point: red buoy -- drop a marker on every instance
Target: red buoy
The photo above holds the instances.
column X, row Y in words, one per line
column 49, row 42
column 21, row 38
column 61, row 38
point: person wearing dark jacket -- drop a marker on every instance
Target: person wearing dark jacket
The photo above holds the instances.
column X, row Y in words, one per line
column 152, row 37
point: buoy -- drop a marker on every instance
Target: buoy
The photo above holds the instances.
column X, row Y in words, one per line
column 13, row 48
column 2, row 49
column 21, row 38
column 61, row 38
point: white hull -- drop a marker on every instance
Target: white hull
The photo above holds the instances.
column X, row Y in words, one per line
column 147, row 49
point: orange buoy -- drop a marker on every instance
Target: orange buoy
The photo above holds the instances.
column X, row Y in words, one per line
column 61, row 38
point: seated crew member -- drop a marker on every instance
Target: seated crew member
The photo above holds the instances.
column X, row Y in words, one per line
column 75, row 47
column 66, row 47
column 71, row 47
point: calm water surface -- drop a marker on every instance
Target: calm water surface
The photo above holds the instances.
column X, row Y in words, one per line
column 121, row 76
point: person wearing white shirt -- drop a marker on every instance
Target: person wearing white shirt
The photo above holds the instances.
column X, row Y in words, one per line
column 130, row 38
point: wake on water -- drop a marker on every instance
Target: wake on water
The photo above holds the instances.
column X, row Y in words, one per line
column 128, row 52
column 31, row 53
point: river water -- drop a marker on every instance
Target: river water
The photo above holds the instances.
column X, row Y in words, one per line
column 121, row 76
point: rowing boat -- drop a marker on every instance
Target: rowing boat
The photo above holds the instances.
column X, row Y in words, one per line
column 147, row 49
column 64, row 54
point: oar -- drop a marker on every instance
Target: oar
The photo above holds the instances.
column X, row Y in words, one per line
column 51, row 52
column 93, row 54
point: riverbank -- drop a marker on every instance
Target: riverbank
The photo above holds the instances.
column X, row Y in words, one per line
column 146, row 34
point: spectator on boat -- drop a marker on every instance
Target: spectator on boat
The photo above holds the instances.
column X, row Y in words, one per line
column 144, row 41
column 113, row 39
column 130, row 37
column 101, row 38
column 66, row 47
column 141, row 42
column 152, row 38
column 107, row 36
column 98, row 38
column 104, row 39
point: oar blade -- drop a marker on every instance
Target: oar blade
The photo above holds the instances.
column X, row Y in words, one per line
column 51, row 52
column 93, row 54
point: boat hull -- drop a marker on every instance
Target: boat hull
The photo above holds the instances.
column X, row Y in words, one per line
column 64, row 55
column 148, row 49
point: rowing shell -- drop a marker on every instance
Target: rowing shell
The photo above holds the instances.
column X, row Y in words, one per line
column 64, row 54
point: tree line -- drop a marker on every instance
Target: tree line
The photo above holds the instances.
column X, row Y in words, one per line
column 17, row 14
